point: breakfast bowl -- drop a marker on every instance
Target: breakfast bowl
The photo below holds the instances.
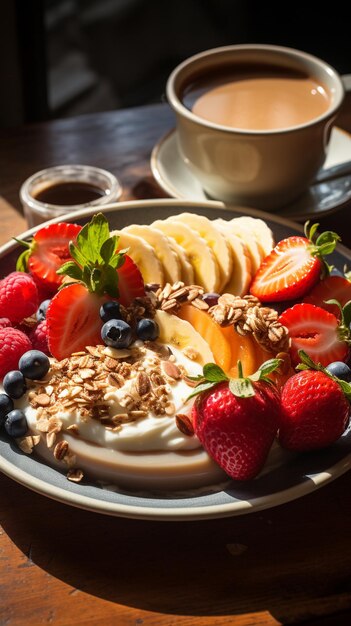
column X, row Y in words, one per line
column 285, row 476
column 254, row 121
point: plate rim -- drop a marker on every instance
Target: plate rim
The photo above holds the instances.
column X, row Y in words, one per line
column 167, row 187
column 203, row 512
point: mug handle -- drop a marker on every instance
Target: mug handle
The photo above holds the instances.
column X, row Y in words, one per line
column 346, row 81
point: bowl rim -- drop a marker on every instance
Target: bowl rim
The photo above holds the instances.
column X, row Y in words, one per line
column 205, row 512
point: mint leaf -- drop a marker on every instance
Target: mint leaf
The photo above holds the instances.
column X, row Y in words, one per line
column 22, row 261
column 92, row 236
column 77, row 255
column 111, row 282
column 95, row 279
column 70, row 269
column 241, row 387
column 118, row 260
column 213, row 373
column 108, row 248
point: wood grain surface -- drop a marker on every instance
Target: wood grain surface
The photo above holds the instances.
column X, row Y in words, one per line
column 63, row 566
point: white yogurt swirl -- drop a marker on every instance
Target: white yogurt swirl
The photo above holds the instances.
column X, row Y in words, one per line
column 158, row 433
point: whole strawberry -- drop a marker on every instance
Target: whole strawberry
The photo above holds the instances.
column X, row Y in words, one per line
column 237, row 420
column 315, row 411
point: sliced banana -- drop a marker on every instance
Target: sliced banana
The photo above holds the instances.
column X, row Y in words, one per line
column 241, row 275
column 187, row 272
column 143, row 255
column 160, row 244
column 214, row 238
column 246, row 235
column 201, row 257
column 260, row 230
column 180, row 334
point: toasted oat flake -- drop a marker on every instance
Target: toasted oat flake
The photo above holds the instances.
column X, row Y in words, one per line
column 75, row 475
column 86, row 373
column 42, row 399
column 26, row 444
column 54, row 425
column 191, row 353
column 73, row 430
column 114, row 353
column 42, row 425
column 170, row 408
column 51, row 439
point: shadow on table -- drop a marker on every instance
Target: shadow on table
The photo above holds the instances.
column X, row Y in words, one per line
column 280, row 560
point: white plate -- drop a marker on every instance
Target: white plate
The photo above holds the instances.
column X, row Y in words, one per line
column 301, row 473
column 178, row 181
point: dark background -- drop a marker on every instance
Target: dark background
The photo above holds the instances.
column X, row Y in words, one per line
column 62, row 58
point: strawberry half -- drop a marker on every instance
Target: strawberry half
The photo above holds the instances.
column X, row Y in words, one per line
column 47, row 252
column 99, row 273
column 130, row 282
column 73, row 320
column 317, row 332
column 293, row 267
column 336, row 287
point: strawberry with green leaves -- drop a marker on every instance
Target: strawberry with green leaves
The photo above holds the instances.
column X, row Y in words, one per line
column 236, row 420
column 47, row 252
column 98, row 273
column 294, row 266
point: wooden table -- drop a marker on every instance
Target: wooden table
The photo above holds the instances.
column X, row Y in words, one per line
column 63, row 566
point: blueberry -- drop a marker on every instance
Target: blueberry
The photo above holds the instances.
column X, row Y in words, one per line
column 110, row 310
column 16, row 423
column 34, row 364
column 211, row 298
column 147, row 330
column 14, row 384
column 6, row 405
column 340, row 370
column 41, row 312
column 117, row 334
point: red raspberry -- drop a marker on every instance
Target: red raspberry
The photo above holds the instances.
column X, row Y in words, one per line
column 39, row 337
column 4, row 322
column 13, row 343
column 18, row 296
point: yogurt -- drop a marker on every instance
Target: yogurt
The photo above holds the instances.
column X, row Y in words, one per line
column 147, row 451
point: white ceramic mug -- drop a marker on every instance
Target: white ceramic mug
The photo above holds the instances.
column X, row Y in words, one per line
column 262, row 168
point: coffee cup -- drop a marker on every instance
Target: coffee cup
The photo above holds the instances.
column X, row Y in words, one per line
column 254, row 121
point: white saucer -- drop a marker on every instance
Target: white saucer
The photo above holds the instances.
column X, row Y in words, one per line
column 177, row 180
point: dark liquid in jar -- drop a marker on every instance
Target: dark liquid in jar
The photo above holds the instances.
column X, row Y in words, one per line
column 69, row 193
